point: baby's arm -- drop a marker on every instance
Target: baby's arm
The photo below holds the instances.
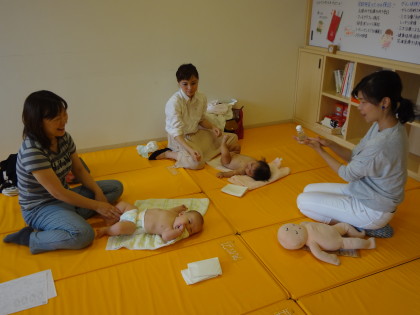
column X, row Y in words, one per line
column 230, row 173
column 179, row 209
column 171, row 234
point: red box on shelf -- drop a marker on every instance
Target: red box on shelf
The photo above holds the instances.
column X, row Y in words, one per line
column 339, row 109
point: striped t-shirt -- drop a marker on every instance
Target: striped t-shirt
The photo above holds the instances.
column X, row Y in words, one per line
column 32, row 157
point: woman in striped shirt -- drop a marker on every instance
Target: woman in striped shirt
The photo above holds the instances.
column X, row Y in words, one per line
column 56, row 214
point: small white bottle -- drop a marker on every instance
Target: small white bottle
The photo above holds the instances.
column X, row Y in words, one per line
column 301, row 136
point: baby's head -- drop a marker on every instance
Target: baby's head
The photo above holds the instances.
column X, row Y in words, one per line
column 195, row 221
column 260, row 171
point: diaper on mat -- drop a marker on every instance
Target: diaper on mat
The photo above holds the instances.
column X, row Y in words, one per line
column 141, row 240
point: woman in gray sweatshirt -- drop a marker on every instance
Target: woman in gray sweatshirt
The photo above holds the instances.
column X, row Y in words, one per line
column 376, row 171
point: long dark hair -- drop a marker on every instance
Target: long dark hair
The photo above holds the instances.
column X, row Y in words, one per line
column 386, row 83
column 38, row 106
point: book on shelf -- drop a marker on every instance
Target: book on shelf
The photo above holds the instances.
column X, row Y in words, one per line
column 338, row 78
column 347, row 78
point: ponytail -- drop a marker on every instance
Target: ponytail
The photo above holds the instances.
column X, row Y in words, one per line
column 404, row 110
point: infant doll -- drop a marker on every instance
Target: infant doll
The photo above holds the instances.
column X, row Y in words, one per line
column 320, row 237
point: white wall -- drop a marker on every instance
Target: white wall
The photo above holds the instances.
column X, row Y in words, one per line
column 114, row 62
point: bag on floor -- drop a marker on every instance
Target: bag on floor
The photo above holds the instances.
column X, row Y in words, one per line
column 236, row 125
column 8, row 177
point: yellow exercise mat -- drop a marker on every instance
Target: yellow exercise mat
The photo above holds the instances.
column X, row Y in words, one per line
column 287, row 307
column 302, row 274
column 155, row 182
column 155, row 285
column 10, row 215
column 269, row 204
column 206, row 178
column 113, row 161
column 412, row 184
column 67, row 263
column 269, row 136
column 393, row 291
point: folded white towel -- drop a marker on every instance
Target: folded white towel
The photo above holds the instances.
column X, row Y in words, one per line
column 202, row 270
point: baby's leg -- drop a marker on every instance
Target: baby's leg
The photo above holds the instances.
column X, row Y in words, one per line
column 225, row 157
column 124, row 206
column 232, row 143
column 119, row 228
column 358, row 243
column 347, row 229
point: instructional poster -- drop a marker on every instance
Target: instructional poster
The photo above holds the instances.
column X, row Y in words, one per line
column 386, row 29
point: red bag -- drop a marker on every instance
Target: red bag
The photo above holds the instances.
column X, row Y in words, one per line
column 236, row 125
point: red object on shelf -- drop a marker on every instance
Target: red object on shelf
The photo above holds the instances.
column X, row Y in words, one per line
column 339, row 109
column 335, row 22
column 345, row 111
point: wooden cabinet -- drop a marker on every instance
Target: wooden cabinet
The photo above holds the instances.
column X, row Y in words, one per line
column 309, row 83
column 316, row 96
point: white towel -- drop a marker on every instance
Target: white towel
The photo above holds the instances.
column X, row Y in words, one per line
column 144, row 150
column 202, row 270
column 153, row 241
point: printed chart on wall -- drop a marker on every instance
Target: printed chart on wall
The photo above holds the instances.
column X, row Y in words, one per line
column 386, row 29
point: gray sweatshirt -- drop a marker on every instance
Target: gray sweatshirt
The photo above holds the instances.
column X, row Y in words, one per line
column 377, row 172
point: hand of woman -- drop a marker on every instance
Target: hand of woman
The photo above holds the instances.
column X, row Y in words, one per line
column 314, row 143
column 99, row 196
column 108, row 211
column 195, row 155
column 322, row 141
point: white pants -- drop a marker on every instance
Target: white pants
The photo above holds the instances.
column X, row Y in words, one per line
column 324, row 202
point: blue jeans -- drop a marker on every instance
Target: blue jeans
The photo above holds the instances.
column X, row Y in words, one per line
column 60, row 225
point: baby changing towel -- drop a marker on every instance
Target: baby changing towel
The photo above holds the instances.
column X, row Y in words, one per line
column 153, row 241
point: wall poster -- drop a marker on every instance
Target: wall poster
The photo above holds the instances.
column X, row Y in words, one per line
column 380, row 28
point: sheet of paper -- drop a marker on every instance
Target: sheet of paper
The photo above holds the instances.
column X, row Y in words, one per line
column 26, row 292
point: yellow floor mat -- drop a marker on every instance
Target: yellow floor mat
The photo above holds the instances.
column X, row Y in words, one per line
column 66, row 264
column 155, row 286
column 393, row 291
column 302, row 274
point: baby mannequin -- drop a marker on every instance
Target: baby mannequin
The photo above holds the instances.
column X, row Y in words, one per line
column 320, row 237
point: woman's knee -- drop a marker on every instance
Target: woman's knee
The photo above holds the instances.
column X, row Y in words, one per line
column 112, row 189
column 83, row 237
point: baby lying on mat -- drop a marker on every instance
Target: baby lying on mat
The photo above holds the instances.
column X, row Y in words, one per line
column 242, row 164
column 169, row 224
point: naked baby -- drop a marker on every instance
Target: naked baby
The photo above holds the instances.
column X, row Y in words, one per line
column 242, row 164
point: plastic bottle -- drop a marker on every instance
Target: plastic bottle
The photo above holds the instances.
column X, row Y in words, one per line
column 300, row 134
